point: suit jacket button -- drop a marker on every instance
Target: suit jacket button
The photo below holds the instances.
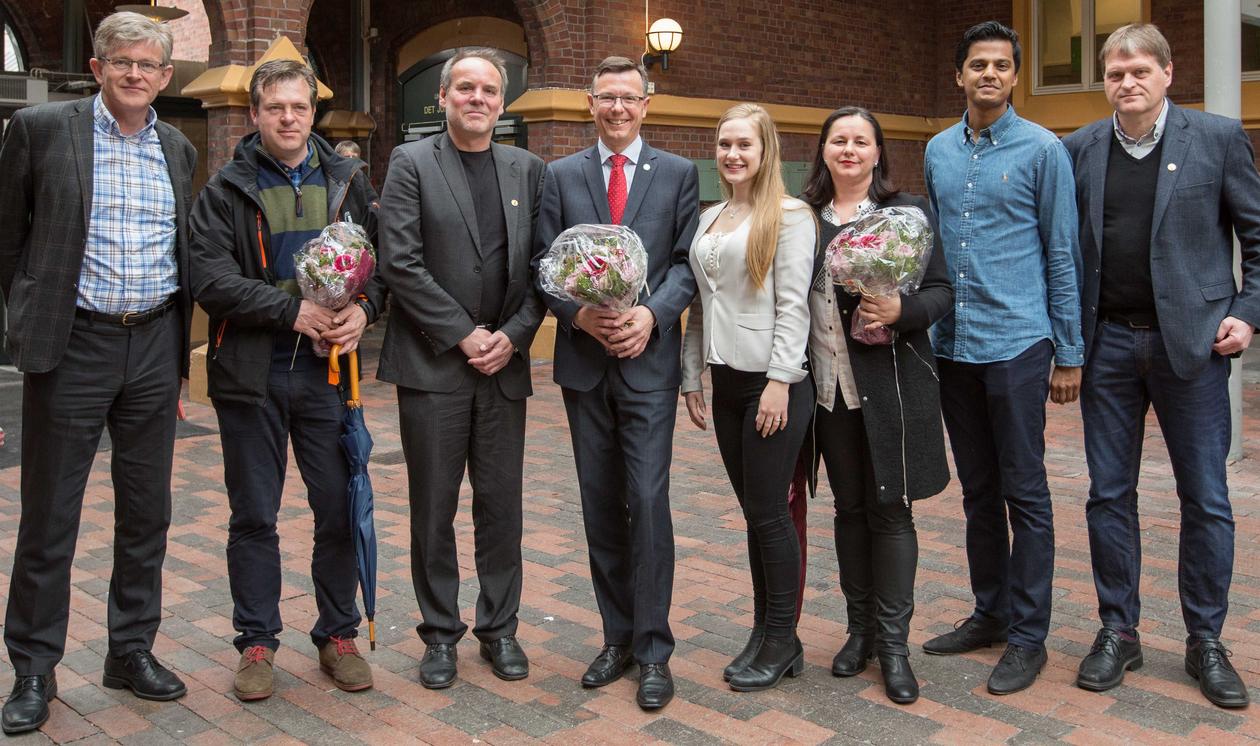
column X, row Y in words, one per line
column 477, row 270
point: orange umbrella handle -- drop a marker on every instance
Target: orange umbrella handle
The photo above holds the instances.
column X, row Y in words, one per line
column 334, row 372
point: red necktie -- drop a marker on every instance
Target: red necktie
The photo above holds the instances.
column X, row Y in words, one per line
column 617, row 187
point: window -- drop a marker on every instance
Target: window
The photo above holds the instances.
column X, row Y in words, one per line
column 1067, row 35
column 1251, row 39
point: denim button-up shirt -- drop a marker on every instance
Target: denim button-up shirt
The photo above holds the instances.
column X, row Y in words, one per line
column 1006, row 202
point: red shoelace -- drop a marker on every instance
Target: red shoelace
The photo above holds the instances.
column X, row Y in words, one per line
column 345, row 645
column 255, row 654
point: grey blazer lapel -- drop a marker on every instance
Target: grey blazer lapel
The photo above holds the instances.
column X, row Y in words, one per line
column 1176, row 145
column 1098, row 152
column 453, row 171
column 510, row 192
column 177, row 169
column 81, row 133
column 593, row 170
column 643, row 174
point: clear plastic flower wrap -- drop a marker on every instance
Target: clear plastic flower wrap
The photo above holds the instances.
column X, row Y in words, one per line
column 595, row 265
column 335, row 266
column 881, row 254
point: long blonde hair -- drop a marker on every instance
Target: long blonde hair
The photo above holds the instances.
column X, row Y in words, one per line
column 767, row 191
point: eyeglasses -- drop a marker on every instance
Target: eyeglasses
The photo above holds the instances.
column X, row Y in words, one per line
column 123, row 65
column 607, row 100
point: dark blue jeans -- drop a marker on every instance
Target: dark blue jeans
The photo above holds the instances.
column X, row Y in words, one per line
column 1128, row 371
column 996, row 417
column 301, row 406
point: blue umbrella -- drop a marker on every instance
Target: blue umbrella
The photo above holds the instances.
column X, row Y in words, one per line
column 356, row 441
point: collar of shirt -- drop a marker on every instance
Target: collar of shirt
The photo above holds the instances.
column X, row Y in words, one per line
column 632, row 152
column 864, row 208
column 1150, row 138
column 995, row 131
column 107, row 124
column 295, row 174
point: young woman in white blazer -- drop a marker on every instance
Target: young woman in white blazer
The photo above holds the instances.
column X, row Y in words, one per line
column 753, row 256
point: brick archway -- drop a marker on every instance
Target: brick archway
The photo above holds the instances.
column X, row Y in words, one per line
column 552, row 31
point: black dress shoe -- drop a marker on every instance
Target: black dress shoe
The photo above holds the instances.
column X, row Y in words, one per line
column 140, row 672
column 1111, row 655
column 437, row 667
column 27, row 706
column 608, row 666
column 656, row 686
column 746, row 655
column 970, row 634
column 900, row 684
column 1016, row 670
column 506, row 658
column 1208, row 661
column 776, row 658
column 852, row 658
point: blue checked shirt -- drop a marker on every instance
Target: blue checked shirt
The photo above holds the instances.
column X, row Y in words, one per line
column 129, row 259
column 1007, row 210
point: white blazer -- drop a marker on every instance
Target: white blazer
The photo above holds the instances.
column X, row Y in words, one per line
column 752, row 329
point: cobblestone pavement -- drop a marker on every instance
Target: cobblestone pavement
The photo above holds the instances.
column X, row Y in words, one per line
column 711, row 613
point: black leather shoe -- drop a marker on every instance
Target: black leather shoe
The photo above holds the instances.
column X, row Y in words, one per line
column 1208, row 661
column 746, row 655
column 27, row 706
column 1111, row 655
column 656, row 686
column 1016, row 670
column 899, row 682
column 140, row 672
column 852, row 658
column 775, row 659
column 608, row 666
column 437, row 667
column 506, row 658
column 968, row 635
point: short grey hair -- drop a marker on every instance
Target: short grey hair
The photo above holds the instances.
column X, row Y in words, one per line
column 280, row 71
column 486, row 53
column 123, row 29
column 348, row 149
column 619, row 65
column 1137, row 38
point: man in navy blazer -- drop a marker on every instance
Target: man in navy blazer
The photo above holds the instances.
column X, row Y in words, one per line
column 1161, row 192
column 620, row 373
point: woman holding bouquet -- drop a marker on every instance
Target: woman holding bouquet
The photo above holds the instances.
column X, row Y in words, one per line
column 878, row 421
column 753, row 257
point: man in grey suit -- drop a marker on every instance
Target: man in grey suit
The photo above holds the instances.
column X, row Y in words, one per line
column 457, row 225
column 620, row 373
column 94, row 266
column 1161, row 192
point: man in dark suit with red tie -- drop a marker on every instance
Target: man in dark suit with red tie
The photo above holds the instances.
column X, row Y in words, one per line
column 620, row 373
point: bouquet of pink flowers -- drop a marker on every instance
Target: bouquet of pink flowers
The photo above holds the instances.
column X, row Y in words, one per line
column 880, row 254
column 335, row 266
column 595, row 265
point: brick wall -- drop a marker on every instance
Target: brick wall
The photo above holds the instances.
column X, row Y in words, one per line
column 192, row 32
column 1182, row 25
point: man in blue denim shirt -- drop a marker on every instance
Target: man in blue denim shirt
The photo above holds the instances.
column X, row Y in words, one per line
column 1003, row 191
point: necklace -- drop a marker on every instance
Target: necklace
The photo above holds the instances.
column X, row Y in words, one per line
column 731, row 213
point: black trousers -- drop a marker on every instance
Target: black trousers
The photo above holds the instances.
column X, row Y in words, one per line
column 301, row 406
column 876, row 545
column 761, row 470
column 126, row 379
column 476, row 426
column 623, row 444
column 996, row 417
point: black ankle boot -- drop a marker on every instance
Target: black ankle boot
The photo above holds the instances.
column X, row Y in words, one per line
column 746, row 655
column 775, row 659
column 899, row 682
column 852, row 658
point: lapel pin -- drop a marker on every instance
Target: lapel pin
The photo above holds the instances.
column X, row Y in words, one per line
column 647, row 166
column 1172, row 166
column 515, row 203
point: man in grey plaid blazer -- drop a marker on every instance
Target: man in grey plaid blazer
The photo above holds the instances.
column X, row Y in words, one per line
column 94, row 268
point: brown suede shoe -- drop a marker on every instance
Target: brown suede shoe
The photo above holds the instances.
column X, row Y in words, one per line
column 253, row 674
column 340, row 659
